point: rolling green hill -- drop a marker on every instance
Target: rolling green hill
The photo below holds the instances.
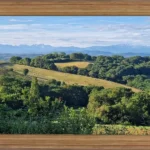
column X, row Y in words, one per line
column 68, row 78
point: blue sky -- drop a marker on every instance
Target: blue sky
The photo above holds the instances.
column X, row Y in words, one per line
column 75, row 31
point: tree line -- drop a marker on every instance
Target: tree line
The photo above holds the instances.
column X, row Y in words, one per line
column 48, row 61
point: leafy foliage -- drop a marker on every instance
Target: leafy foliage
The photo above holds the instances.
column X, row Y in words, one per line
column 120, row 106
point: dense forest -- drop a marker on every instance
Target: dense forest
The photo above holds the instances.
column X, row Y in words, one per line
column 27, row 106
column 53, row 107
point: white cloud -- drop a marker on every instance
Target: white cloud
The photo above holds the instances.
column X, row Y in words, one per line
column 79, row 35
column 21, row 27
column 13, row 27
column 17, row 20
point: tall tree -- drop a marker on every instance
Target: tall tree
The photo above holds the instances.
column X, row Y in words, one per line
column 34, row 91
column 25, row 71
column 34, row 97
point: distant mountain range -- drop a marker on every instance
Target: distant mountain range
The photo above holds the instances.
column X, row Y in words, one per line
column 125, row 50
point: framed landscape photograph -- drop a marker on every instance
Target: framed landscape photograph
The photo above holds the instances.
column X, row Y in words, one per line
column 74, row 74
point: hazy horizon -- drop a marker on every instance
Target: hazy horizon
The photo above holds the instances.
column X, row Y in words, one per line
column 72, row 31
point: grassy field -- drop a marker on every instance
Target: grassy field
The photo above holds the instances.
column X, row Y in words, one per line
column 77, row 64
column 68, row 78
column 74, row 142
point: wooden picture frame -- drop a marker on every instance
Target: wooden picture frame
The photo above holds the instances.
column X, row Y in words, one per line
column 74, row 8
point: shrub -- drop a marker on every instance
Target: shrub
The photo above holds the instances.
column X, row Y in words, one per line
column 25, row 71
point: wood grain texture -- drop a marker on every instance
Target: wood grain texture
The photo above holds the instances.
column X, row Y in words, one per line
column 74, row 7
column 73, row 142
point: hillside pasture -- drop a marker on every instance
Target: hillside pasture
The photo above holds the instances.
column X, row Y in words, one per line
column 68, row 78
column 77, row 64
